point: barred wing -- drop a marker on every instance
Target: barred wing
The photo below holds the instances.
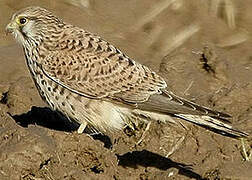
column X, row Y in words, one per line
column 90, row 66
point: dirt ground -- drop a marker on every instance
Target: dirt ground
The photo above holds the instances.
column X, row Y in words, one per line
column 202, row 49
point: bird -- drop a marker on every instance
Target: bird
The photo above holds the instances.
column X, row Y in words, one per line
column 94, row 84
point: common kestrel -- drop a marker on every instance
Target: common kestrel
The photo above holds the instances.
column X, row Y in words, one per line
column 93, row 83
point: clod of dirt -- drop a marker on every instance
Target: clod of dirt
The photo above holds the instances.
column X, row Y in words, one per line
column 21, row 96
column 3, row 98
column 3, row 93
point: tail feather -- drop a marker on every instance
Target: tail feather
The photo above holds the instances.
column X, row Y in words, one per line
column 212, row 124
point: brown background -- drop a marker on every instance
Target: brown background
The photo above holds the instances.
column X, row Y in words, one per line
column 35, row 144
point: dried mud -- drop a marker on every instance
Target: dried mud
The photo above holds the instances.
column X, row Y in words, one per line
column 203, row 54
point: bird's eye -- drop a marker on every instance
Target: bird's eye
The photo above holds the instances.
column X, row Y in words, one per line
column 22, row 20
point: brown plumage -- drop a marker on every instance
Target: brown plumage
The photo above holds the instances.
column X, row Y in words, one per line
column 93, row 83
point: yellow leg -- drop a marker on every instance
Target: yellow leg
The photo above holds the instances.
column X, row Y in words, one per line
column 82, row 128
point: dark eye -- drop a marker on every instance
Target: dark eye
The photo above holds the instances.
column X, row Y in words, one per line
column 22, row 20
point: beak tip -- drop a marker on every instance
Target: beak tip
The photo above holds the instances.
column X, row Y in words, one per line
column 8, row 29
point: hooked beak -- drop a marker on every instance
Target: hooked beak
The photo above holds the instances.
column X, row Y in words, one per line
column 10, row 27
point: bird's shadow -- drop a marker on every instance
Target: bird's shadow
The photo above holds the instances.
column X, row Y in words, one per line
column 149, row 159
column 45, row 117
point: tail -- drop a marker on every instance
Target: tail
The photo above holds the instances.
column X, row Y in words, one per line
column 169, row 103
column 213, row 124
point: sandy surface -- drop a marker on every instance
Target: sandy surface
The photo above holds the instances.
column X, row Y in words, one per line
column 36, row 144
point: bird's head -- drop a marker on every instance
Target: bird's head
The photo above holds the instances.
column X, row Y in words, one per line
column 32, row 25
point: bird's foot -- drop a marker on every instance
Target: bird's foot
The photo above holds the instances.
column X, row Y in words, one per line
column 81, row 128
